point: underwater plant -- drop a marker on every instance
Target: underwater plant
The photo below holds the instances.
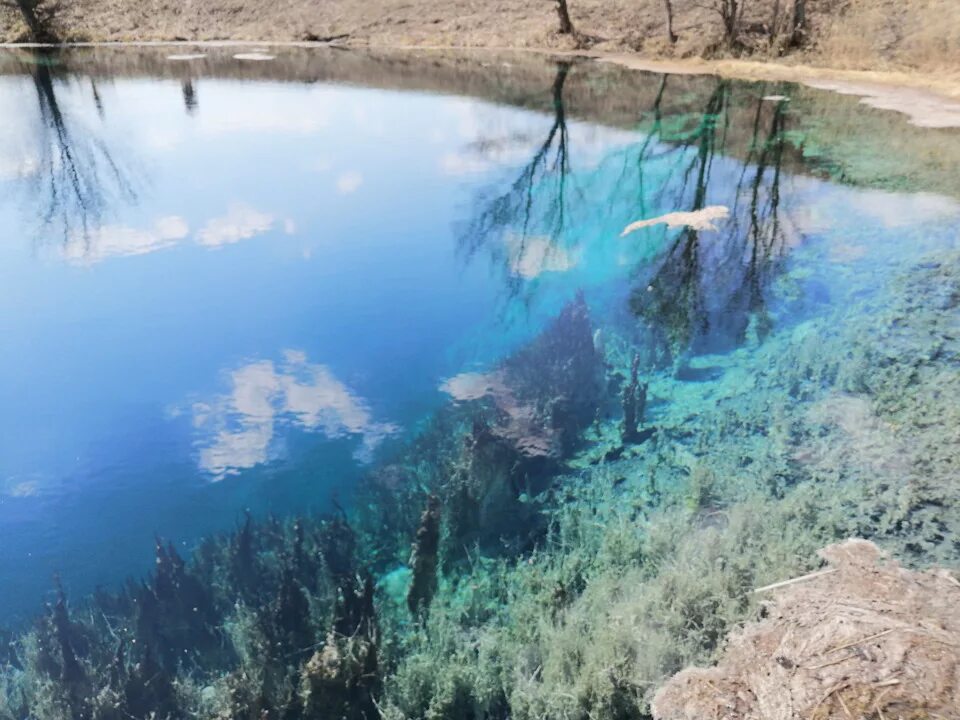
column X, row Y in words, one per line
column 484, row 575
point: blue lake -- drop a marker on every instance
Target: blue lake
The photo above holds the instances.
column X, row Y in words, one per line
column 231, row 285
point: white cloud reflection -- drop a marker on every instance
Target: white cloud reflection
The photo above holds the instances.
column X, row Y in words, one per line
column 120, row 240
column 17, row 487
column 242, row 426
column 349, row 182
column 535, row 255
column 240, row 223
column 18, row 166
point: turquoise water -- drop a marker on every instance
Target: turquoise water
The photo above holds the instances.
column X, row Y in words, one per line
column 232, row 286
column 239, row 302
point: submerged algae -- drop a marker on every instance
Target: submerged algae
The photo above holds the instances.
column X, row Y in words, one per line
column 649, row 561
column 844, row 425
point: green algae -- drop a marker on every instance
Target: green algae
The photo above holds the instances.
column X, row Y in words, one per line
column 650, row 561
column 844, row 425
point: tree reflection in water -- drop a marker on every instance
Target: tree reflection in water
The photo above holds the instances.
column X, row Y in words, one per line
column 190, row 101
column 537, row 201
column 77, row 175
column 703, row 291
column 708, row 288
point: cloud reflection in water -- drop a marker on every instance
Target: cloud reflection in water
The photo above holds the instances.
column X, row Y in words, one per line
column 120, row 240
column 242, row 426
column 241, row 222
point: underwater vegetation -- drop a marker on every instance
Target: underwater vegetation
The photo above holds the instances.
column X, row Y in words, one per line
column 272, row 621
column 532, row 554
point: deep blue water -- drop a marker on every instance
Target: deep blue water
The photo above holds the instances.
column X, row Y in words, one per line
column 240, row 295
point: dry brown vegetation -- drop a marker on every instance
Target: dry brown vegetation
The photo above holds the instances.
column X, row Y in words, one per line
column 864, row 638
column 865, row 34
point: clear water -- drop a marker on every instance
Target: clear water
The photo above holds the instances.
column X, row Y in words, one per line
column 232, row 285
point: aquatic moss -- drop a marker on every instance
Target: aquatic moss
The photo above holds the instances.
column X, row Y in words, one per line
column 641, row 559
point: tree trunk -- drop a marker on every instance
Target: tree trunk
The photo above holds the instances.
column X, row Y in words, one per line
column 668, row 10
column 732, row 22
column 566, row 25
column 29, row 13
column 798, row 22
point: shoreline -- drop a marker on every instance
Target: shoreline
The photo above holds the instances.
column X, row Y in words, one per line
column 929, row 101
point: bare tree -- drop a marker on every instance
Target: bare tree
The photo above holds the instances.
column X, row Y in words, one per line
column 538, row 203
column 521, row 206
column 668, row 12
column 78, row 176
column 672, row 297
column 787, row 29
column 798, row 22
column 730, row 12
column 39, row 16
column 775, row 22
column 190, row 102
column 705, row 297
column 563, row 13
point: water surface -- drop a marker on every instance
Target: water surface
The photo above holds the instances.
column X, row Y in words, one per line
column 234, row 285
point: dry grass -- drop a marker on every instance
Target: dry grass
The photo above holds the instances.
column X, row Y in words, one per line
column 872, row 641
column 890, row 34
column 922, row 35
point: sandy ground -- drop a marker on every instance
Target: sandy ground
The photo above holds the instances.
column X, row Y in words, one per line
column 929, row 100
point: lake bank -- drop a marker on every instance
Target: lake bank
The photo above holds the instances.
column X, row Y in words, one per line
column 873, row 41
column 929, row 99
